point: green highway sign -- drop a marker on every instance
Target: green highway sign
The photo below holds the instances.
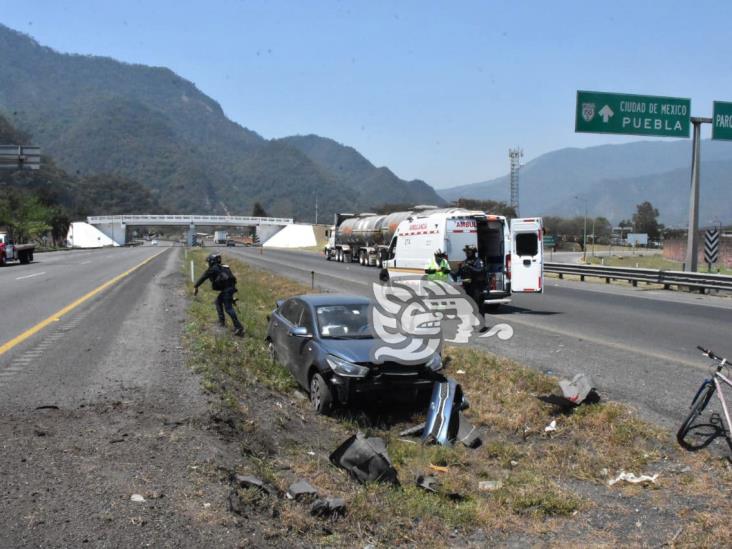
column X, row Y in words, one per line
column 722, row 120
column 600, row 112
column 549, row 242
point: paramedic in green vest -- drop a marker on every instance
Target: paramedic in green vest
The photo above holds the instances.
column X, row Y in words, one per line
column 438, row 268
column 223, row 281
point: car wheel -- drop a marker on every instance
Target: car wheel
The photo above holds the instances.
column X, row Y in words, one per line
column 320, row 395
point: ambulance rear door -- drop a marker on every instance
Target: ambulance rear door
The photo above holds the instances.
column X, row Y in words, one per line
column 527, row 255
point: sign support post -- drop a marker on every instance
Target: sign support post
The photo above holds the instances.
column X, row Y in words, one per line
column 692, row 242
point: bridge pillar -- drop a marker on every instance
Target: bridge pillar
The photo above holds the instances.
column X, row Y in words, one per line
column 191, row 239
column 117, row 231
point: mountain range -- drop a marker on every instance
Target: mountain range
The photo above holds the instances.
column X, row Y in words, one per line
column 96, row 115
column 613, row 179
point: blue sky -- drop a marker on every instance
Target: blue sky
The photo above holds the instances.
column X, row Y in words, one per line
column 434, row 90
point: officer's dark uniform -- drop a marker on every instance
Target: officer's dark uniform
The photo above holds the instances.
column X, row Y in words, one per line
column 472, row 271
column 225, row 299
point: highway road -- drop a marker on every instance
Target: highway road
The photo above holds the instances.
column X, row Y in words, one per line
column 638, row 345
column 100, row 405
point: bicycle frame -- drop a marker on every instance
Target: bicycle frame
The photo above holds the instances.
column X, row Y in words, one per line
column 716, row 378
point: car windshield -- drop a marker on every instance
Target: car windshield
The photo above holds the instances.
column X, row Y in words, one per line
column 346, row 321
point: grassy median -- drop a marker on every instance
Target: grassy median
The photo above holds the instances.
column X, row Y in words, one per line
column 551, row 487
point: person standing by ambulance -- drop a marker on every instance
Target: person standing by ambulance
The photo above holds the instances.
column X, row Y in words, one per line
column 438, row 268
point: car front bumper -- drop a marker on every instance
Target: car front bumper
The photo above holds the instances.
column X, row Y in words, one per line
column 394, row 388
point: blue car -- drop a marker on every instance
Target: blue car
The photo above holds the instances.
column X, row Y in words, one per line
column 325, row 341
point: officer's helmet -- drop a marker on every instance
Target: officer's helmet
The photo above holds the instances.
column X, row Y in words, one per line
column 213, row 259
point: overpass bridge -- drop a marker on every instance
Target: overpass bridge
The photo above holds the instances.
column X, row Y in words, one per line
column 115, row 226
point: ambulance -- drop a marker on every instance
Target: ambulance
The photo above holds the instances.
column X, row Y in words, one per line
column 512, row 251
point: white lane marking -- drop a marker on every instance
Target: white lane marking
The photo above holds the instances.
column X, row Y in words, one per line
column 30, row 275
column 85, row 262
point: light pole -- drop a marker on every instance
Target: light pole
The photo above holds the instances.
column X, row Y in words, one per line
column 584, row 235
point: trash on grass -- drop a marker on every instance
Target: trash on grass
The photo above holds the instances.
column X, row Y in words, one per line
column 490, row 485
column 137, row 497
column 551, row 427
column 577, row 390
column 412, row 431
column 327, row 507
column 468, row 433
column 439, row 468
column 428, row 482
column 460, row 372
column 633, row 479
column 249, row 481
column 365, row 459
column 301, row 490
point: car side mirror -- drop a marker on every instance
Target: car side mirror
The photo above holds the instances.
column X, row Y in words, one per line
column 298, row 331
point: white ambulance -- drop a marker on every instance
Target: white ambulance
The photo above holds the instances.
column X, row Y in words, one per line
column 513, row 253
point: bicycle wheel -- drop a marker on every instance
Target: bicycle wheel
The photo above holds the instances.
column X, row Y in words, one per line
column 697, row 407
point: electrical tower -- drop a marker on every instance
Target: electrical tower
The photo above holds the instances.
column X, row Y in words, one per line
column 515, row 156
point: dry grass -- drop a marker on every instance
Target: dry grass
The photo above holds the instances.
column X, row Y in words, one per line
column 551, row 482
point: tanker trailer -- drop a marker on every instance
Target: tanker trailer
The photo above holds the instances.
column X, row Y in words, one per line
column 364, row 238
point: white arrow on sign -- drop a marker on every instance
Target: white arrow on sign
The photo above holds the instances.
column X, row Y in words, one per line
column 606, row 112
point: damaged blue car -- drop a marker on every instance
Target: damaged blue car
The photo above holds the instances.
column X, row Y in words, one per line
column 325, row 341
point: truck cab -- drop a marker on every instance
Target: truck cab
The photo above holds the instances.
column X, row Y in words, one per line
column 9, row 251
column 511, row 251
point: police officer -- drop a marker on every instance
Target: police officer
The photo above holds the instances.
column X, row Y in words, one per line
column 223, row 281
column 438, row 268
column 472, row 272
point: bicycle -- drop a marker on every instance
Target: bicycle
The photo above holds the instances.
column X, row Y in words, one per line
column 700, row 402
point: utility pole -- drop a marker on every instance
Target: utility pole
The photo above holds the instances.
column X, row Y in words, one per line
column 316, row 206
column 584, row 233
column 515, row 156
column 692, row 241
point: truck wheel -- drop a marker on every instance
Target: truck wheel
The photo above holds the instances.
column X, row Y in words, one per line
column 363, row 259
column 327, row 255
column 347, row 258
column 384, row 275
column 321, row 397
column 23, row 258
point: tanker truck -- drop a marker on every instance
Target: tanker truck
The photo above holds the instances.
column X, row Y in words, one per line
column 364, row 237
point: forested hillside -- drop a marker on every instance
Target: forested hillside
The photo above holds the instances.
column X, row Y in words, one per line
column 97, row 115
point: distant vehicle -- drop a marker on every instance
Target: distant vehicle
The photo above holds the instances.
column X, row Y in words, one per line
column 513, row 252
column 221, row 237
column 230, row 243
column 325, row 341
column 9, row 251
column 154, row 242
column 364, row 237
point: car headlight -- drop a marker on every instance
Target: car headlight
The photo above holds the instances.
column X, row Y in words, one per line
column 345, row 368
column 435, row 362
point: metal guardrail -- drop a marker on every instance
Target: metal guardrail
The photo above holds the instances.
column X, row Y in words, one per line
column 234, row 220
column 701, row 281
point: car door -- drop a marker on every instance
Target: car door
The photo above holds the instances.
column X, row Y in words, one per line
column 527, row 255
column 291, row 313
column 302, row 349
column 280, row 328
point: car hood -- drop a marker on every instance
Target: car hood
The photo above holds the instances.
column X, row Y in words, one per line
column 352, row 350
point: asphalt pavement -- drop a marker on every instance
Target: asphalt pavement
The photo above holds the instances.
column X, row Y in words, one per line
column 638, row 345
column 106, row 437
